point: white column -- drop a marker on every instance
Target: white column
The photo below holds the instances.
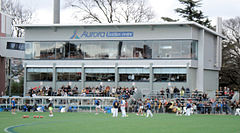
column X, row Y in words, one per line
column 25, row 80
column 54, row 77
column 116, row 75
column 83, row 77
column 188, row 76
column 219, row 43
column 200, row 70
column 151, row 76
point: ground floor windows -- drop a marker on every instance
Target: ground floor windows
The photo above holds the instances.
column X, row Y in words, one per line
column 170, row 74
column 134, row 74
column 134, row 77
column 100, row 74
column 39, row 74
column 105, row 77
column 69, row 74
column 170, row 77
column 108, row 74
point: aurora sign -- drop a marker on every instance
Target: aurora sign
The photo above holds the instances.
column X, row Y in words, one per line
column 86, row 34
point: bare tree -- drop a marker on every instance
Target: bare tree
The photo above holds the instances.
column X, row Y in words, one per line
column 230, row 72
column 111, row 11
column 19, row 13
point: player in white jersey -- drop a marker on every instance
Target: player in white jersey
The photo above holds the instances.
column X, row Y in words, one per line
column 123, row 108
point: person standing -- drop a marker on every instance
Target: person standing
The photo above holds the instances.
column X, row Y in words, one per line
column 149, row 111
column 140, row 107
column 115, row 108
column 237, row 109
column 13, row 106
column 123, row 103
column 50, row 107
column 188, row 109
column 98, row 106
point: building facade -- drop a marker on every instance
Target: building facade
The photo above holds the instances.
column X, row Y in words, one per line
column 5, row 30
column 147, row 56
column 10, row 47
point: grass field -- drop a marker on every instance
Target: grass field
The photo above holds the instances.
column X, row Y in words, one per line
column 104, row 123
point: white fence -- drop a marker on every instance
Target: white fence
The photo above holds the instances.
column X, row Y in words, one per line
column 78, row 103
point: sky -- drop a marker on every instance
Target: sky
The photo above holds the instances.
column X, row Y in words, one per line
column 43, row 10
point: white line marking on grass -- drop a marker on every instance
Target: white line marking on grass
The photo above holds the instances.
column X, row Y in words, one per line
column 10, row 129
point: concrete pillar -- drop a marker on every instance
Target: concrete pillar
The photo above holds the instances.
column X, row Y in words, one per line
column 54, row 77
column 151, row 76
column 219, row 43
column 200, row 70
column 56, row 11
column 25, row 80
column 188, row 76
column 83, row 76
column 116, row 75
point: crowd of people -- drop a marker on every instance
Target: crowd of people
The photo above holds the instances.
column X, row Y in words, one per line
column 164, row 105
column 165, row 101
column 174, row 92
column 224, row 93
column 98, row 91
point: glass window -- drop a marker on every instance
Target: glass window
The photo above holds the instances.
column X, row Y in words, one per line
column 170, row 74
column 161, row 77
column 39, row 74
column 36, row 50
column 60, row 50
column 134, row 74
column 159, row 49
column 69, row 74
column 194, row 49
column 106, row 77
column 16, row 46
column 172, row 49
column 100, row 49
column 29, row 50
column 100, row 74
column 170, row 77
column 135, row 50
column 134, row 77
column 76, row 51
column 178, row 78
column 47, row 50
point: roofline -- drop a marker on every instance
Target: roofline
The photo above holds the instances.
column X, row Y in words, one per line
column 122, row 24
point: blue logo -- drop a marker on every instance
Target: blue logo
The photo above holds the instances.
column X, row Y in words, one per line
column 86, row 34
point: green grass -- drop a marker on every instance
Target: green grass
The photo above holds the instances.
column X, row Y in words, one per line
column 104, row 123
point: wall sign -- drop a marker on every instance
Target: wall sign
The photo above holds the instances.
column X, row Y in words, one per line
column 86, row 34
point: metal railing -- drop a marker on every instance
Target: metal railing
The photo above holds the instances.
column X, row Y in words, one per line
column 79, row 103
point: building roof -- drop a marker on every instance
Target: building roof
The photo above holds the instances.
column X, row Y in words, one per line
column 118, row 24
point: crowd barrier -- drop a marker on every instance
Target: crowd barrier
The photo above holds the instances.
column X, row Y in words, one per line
column 75, row 103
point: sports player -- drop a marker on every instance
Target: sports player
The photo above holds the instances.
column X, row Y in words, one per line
column 140, row 107
column 115, row 108
column 149, row 111
column 237, row 109
column 98, row 106
column 178, row 109
column 188, row 109
column 50, row 108
column 13, row 106
column 123, row 108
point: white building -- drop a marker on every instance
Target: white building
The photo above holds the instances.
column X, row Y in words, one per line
column 148, row 56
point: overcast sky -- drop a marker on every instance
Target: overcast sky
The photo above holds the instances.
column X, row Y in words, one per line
column 43, row 9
